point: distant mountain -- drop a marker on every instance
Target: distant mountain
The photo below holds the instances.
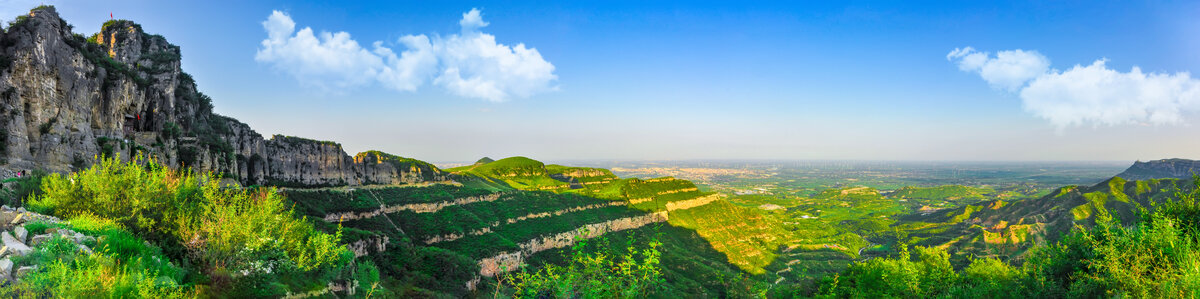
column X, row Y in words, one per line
column 1162, row 169
column 1007, row 229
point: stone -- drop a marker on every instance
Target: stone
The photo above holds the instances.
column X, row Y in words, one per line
column 6, row 267
column 21, row 233
column 38, row 239
column 85, row 249
column 6, row 217
column 24, row 270
column 14, row 247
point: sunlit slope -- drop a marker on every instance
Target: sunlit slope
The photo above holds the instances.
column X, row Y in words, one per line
column 747, row 237
column 516, row 172
column 523, row 173
column 482, row 232
column 750, row 239
column 1008, row 229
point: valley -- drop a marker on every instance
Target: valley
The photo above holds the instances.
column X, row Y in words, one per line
column 120, row 180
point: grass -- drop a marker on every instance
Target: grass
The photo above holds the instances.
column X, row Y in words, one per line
column 238, row 242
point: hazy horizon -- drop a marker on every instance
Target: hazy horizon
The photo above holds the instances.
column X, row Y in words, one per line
column 456, row 81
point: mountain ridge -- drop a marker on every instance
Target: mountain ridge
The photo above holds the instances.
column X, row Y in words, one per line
column 1164, row 168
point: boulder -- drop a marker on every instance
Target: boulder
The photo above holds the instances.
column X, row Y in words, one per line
column 21, row 233
column 6, row 217
column 38, row 239
column 21, row 272
column 6, row 266
column 14, row 247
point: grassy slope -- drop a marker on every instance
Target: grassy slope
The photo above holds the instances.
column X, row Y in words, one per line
column 1008, row 229
column 722, row 238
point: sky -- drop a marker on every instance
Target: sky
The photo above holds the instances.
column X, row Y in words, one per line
column 659, row 80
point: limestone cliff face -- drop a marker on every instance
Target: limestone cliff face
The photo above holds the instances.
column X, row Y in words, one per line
column 66, row 99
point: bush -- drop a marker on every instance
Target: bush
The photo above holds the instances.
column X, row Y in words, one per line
column 1155, row 258
column 22, row 188
column 593, row 275
column 122, row 265
column 243, row 242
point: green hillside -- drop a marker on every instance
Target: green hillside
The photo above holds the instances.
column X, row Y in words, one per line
column 498, row 213
column 1008, row 230
column 515, row 172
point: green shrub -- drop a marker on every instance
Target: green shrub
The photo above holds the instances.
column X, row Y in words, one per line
column 121, row 265
column 22, row 188
column 1158, row 257
column 244, row 242
column 593, row 275
column 45, row 127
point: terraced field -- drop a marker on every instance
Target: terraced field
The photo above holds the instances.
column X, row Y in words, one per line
column 474, row 233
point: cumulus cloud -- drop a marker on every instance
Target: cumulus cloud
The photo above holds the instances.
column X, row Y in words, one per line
column 1092, row 94
column 469, row 64
column 1008, row 70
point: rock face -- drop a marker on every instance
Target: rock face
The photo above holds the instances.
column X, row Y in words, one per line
column 66, row 99
column 1160, row 169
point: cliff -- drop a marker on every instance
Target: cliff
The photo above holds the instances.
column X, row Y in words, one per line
column 1161, row 169
column 66, row 99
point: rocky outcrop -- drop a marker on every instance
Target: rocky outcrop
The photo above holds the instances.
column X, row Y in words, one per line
column 1162, row 169
column 692, row 203
column 17, row 241
column 369, row 245
column 488, row 229
column 67, row 99
column 428, row 207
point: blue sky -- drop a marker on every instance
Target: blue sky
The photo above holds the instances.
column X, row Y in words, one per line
column 699, row 80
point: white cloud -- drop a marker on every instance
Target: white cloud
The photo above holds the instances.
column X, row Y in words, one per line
column 1009, row 70
column 1082, row 95
column 328, row 59
column 1099, row 95
column 468, row 64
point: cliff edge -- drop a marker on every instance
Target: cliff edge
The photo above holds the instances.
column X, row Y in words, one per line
column 66, row 99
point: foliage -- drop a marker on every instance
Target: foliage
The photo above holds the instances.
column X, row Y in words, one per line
column 1157, row 257
column 593, row 275
column 45, row 127
column 21, row 188
column 171, row 130
column 243, row 242
column 121, row 266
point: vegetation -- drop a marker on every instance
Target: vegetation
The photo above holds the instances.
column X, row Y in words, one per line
column 590, row 274
column 21, row 188
column 232, row 242
column 121, row 265
column 1157, row 257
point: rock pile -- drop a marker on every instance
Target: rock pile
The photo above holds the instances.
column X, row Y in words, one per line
column 19, row 241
